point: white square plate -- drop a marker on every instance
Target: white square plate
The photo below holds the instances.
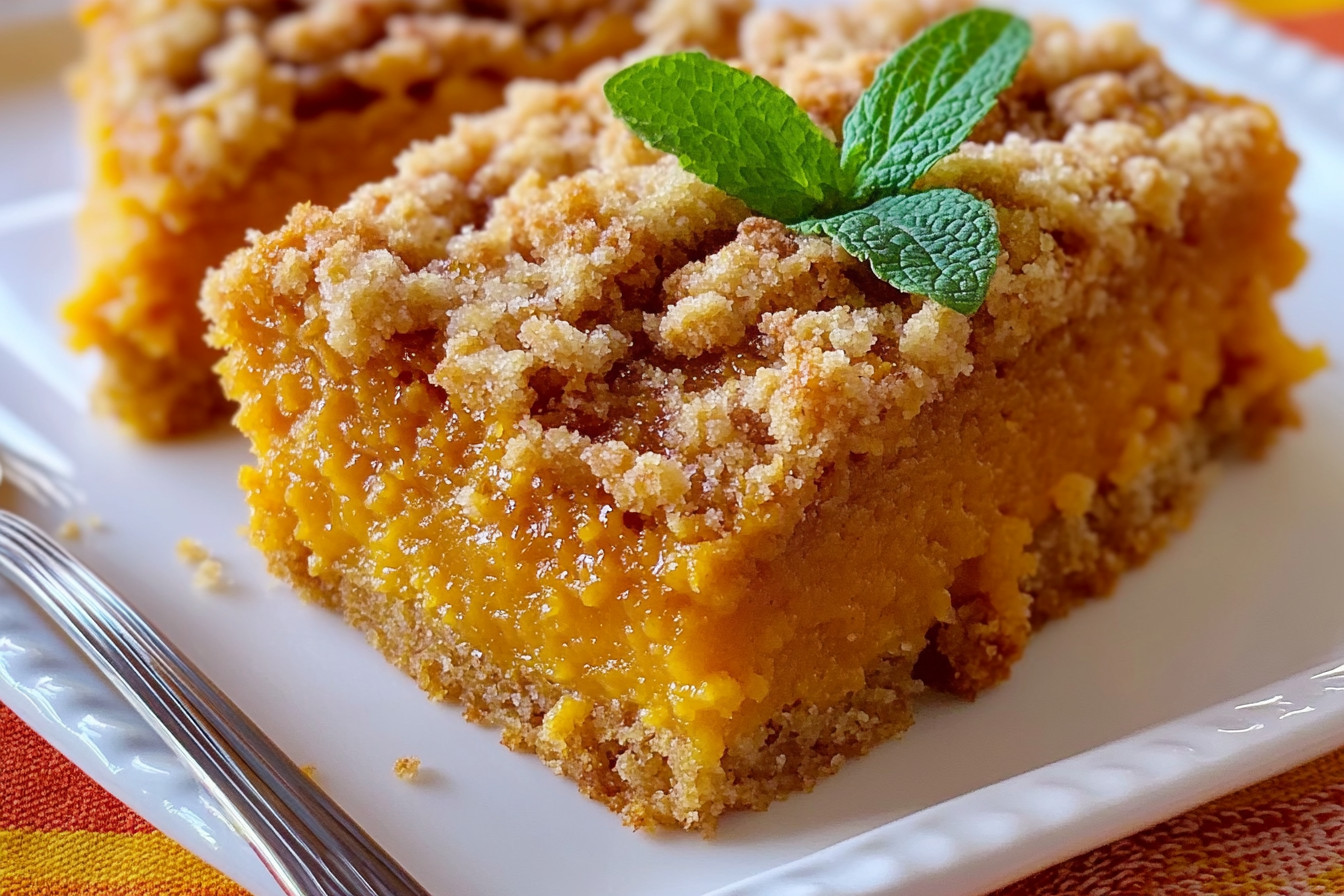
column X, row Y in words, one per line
column 1186, row 684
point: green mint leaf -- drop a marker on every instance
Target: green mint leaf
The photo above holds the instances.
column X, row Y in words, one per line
column 943, row 243
column 731, row 129
column 927, row 98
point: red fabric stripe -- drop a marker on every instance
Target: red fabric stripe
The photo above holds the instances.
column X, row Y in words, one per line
column 1324, row 29
column 41, row 790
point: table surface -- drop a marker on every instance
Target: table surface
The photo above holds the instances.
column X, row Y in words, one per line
column 61, row 834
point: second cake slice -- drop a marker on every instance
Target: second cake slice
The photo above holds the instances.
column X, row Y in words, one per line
column 206, row 118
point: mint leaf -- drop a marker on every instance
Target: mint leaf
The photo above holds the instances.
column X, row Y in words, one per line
column 943, row 243
column 750, row 139
column 731, row 129
column 927, row 98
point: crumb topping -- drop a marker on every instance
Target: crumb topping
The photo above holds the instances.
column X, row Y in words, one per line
column 202, row 90
column 614, row 317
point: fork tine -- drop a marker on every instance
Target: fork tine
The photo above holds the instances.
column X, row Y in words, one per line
column 39, row 484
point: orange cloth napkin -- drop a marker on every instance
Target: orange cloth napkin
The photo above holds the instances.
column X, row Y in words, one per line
column 1320, row 22
column 1282, row 836
column 62, row 835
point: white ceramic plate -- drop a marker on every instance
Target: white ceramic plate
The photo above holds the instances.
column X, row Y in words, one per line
column 1187, row 684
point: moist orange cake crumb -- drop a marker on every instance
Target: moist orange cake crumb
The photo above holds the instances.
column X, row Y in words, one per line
column 406, row 768
column 209, row 117
column 689, row 504
column 191, row 551
column 209, row 572
column 209, row 575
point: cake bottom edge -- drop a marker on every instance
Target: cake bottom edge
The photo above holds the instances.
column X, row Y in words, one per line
column 646, row 774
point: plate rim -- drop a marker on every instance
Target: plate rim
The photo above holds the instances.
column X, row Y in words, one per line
column 985, row 838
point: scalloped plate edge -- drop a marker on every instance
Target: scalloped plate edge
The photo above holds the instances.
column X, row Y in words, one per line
column 1001, row 833
column 972, row 843
column 62, row 697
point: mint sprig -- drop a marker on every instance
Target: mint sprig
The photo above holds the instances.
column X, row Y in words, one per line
column 747, row 137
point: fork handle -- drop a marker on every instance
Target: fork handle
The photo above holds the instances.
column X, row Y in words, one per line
column 307, row 842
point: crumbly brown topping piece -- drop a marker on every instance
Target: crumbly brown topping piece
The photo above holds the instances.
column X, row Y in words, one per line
column 204, row 89
column 619, row 319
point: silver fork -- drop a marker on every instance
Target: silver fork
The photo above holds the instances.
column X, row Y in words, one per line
column 304, row 839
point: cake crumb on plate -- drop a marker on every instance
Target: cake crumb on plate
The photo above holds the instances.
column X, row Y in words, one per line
column 189, row 550
column 209, row 573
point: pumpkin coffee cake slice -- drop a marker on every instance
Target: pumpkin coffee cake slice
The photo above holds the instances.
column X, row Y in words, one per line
column 689, row 503
column 206, row 118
